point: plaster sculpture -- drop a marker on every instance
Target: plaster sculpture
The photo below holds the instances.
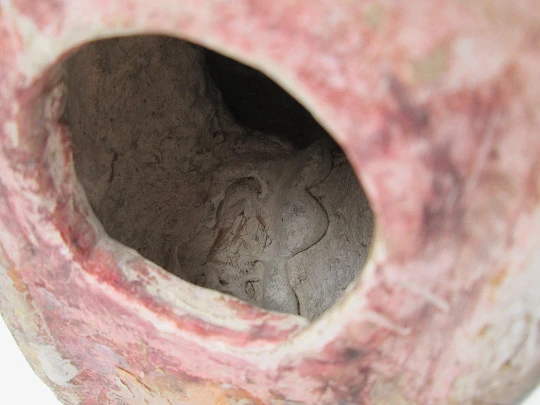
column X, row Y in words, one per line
column 435, row 106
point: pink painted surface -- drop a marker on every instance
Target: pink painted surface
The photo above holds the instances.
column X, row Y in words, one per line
column 436, row 104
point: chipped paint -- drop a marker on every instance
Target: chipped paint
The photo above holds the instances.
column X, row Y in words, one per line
column 59, row 370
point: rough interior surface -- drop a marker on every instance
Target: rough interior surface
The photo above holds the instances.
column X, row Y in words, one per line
column 231, row 186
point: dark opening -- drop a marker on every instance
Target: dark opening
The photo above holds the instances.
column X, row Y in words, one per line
column 209, row 169
column 257, row 102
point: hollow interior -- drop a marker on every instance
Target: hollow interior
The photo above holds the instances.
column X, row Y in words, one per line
column 209, row 169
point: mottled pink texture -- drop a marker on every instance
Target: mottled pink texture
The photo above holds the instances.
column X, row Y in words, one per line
column 436, row 104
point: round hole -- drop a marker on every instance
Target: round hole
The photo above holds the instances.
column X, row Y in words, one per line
column 208, row 168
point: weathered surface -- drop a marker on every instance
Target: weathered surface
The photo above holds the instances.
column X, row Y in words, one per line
column 436, row 105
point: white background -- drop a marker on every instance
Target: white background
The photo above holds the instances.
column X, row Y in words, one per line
column 20, row 386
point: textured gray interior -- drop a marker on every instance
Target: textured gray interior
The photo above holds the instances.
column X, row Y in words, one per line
column 192, row 184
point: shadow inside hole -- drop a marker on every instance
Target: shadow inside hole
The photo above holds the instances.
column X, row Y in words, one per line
column 209, row 169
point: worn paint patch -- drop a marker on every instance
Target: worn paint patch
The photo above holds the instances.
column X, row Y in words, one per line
column 375, row 15
column 11, row 129
column 17, row 282
column 161, row 388
column 134, row 390
column 387, row 393
column 59, row 370
column 15, row 306
column 431, row 67
column 7, row 267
